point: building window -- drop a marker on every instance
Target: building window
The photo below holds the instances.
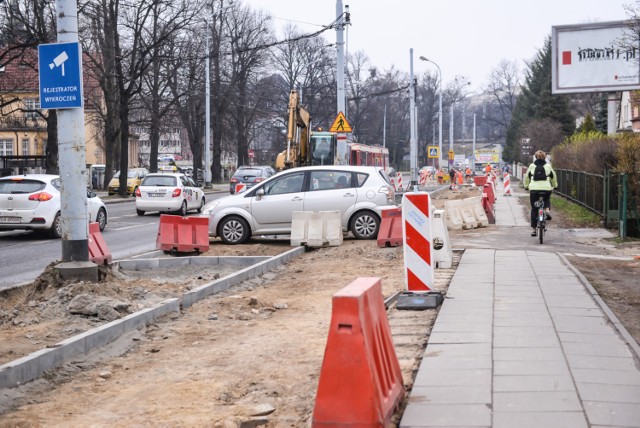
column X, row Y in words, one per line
column 25, row 147
column 31, row 104
column 6, row 147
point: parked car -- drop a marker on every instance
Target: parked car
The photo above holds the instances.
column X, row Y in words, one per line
column 134, row 178
column 250, row 176
column 169, row 192
column 358, row 192
column 32, row 202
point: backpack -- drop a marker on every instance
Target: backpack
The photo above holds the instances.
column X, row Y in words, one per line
column 539, row 173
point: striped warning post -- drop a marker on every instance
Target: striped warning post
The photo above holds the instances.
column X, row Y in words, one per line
column 416, row 230
column 506, row 184
column 399, row 186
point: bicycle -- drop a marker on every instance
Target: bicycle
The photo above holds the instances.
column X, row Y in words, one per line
column 541, row 226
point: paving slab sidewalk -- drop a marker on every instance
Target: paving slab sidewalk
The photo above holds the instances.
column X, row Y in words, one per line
column 520, row 341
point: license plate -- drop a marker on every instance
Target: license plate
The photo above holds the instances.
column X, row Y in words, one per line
column 156, row 195
column 10, row 220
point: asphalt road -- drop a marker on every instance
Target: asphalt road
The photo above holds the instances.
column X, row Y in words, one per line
column 24, row 255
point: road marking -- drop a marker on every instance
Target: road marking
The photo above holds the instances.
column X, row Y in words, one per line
column 130, row 227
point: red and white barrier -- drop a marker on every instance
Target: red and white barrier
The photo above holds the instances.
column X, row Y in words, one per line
column 240, row 187
column 417, row 232
column 399, row 185
column 506, row 183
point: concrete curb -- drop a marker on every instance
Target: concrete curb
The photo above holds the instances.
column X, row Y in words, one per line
column 631, row 342
column 32, row 366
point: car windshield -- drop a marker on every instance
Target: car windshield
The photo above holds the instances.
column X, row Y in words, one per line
column 20, row 186
column 248, row 172
column 132, row 174
column 159, row 180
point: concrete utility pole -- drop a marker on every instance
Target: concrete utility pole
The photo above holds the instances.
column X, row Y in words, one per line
column 473, row 149
column 342, row 155
column 451, row 133
column 71, row 156
column 340, row 58
column 413, row 145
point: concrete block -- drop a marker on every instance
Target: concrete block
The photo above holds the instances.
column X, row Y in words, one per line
column 547, row 401
column 451, row 395
column 610, row 393
column 544, row 383
column 441, row 415
column 104, row 334
column 22, row 370
column 612, row 414
column 539, row 419
column 299, row 227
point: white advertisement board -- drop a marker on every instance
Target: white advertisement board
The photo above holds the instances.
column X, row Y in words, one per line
column 597, row 57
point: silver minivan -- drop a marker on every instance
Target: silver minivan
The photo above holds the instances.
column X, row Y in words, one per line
column 358, row 192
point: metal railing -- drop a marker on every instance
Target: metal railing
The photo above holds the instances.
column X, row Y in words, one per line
column 583, row 188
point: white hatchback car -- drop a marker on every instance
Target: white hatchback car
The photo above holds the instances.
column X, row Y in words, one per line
column 32, row 202
column 168, row 192
column 358, row 192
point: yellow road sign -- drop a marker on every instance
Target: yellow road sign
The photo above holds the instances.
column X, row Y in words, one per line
column 451, row 155
column 340, row 124
column 432, row 152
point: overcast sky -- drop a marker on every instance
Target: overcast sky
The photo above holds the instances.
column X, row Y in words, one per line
column 464, row 37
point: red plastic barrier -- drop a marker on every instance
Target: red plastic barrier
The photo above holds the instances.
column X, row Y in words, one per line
column 488, row 189
column 488, row 209
column 98, row 251
column 480, row 180
column 390, row 232
column 183, row 234
column 360, row 381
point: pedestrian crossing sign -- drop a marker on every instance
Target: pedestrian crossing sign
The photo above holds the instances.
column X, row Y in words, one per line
column 433, row 152
column 340, row 124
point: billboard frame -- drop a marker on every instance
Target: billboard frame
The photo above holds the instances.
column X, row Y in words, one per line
column 595, row 86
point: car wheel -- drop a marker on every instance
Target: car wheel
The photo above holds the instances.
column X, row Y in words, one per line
column 365, row 225
column 56, row 227
column 202, row 202
column 233, row 230
column 101, row 219
column 139, row 212
column 183, row 209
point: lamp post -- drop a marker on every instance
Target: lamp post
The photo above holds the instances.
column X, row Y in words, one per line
column 439, row 108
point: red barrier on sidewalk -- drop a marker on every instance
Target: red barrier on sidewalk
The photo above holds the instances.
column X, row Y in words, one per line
column 360, row 381
column 390, row 232
column 488, row 209
column 479, row 180
column 98, row 251
column 488, row 189
column 183, row 234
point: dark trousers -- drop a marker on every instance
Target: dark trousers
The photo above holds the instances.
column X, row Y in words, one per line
column 533, row 198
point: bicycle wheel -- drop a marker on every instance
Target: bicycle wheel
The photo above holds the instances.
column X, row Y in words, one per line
column 541, row 232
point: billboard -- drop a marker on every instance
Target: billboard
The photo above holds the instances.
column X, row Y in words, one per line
column 597, row 57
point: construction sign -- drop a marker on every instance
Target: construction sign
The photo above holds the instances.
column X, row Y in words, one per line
column 340, row 124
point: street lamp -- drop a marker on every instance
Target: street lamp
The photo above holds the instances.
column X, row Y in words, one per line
column 439, row 108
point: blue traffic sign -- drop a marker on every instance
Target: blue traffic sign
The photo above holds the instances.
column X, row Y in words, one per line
column 60, row 73
column 433, row 152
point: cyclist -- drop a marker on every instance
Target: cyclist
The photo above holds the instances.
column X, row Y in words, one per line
column 540, row 179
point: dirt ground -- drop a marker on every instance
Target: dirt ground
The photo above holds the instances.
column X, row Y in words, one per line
column 225, row 360
column 249, row 356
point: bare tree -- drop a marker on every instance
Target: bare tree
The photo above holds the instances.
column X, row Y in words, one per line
column 25, row 24
column 502, row 90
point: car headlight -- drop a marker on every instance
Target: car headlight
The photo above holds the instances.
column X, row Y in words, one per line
column 206, row 210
